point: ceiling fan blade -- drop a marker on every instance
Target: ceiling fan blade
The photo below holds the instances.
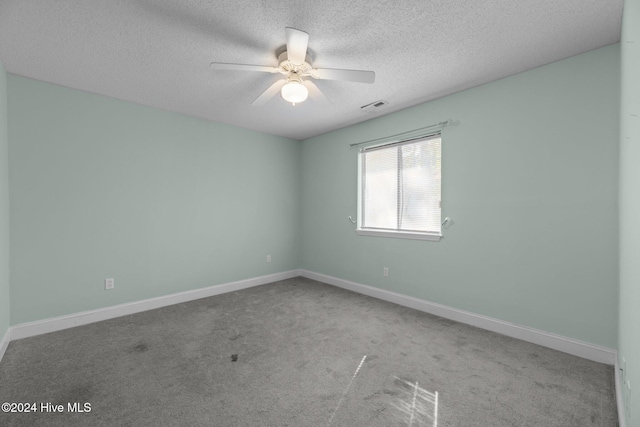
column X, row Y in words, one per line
column 345, row 75
column 243, row 67
column 297, row 42
column 316, row 94
column 269, row 93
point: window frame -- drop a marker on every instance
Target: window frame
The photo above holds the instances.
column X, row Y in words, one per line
column 402, row 234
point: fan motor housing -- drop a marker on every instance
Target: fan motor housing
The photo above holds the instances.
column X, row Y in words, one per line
column 287, row 66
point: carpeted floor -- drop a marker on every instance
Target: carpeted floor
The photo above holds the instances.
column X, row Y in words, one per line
column 308, row 354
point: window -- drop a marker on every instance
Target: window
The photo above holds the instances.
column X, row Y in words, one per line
column 399, row 189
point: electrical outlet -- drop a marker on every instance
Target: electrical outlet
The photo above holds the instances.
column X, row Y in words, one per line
column 385, row 272
column 268, row 258
column 109, row 283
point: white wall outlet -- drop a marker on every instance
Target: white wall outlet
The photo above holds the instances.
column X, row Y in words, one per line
column 109, row 283
column 268, row 258
column 385, row 272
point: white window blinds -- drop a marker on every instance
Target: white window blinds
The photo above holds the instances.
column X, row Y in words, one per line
column 400, row 187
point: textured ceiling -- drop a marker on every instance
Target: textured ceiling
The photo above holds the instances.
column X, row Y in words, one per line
column 157, row 52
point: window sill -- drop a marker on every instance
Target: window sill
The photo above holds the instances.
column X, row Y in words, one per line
column 399, row 234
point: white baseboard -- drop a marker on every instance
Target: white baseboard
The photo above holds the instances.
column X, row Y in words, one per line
column 547, row 339
column 39, row 327
column 4, row 343
column 622, row 421
column 557, row 342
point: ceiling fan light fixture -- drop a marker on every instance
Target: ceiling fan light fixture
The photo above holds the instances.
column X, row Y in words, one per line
column 295, row 63
column 294, row 92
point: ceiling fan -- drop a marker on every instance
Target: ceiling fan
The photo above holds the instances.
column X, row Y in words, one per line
column 295, row 65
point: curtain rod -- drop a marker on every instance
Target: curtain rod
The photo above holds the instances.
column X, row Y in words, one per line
column 399, row 135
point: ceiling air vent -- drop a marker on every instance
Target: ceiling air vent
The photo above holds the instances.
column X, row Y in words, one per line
column 374, row 106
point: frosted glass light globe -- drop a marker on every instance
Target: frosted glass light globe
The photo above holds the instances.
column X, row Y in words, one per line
column 294, row 92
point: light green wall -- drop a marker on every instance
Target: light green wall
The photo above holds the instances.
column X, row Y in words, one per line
column 4, row 208
column 629, row 326
column 529, row 177
column 159, row 201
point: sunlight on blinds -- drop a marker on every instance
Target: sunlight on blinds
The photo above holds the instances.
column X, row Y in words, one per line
column 381, row 189
column 402, row 187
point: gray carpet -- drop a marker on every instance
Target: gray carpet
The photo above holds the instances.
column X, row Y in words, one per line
column 308, row 354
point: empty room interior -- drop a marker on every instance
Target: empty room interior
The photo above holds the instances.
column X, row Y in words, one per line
column 288, row 213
